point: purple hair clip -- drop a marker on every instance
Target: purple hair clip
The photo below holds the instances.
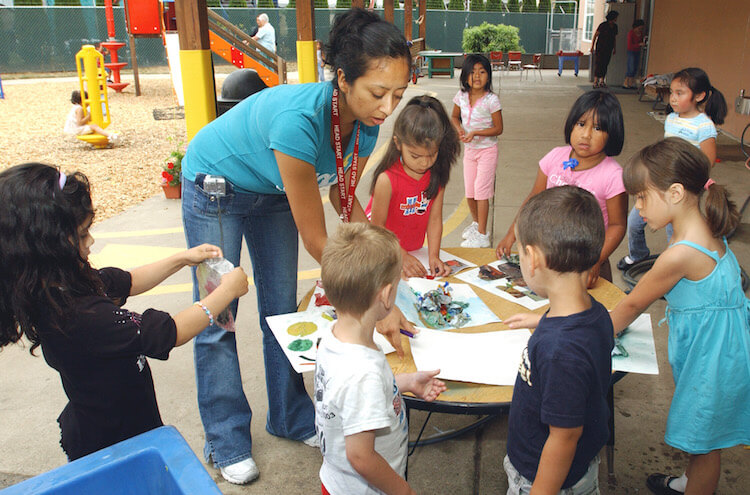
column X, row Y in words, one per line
column 63, row 179
column 571, row 164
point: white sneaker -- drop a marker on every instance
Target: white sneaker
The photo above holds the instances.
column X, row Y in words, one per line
column 477, row 240
column 241, row 472
column 313, row 441
column 473, row 226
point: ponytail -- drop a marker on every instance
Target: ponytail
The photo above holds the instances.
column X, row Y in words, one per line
column 721, row 212
column 716, row 106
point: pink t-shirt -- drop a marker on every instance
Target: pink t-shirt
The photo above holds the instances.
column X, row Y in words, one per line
column 478, row 117
column 603, row 181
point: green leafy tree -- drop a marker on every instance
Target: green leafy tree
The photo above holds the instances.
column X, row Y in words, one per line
column 343, row 4
column 529, row 6
column 494, row 5
column 28, row 3
column 320, row 4
column 238, row 3
column 435, row 5
column 265, row 4
column 513, row 6
column 292, row 4
column 544, row 6
column 490, row 37
column 456, row 5
column 68, row 3
column 476, row 5
column 214, row 4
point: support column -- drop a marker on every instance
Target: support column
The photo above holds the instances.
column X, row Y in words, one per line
column 423, row 17
column 388, row 11
column 195, row 65
column 408, row 18
column 306, row 53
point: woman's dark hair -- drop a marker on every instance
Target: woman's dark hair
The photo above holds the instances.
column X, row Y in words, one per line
column 41, row 269
column 607, row 113
column 423, row 122
column 675, row 161
column 357, row 38
column 612, row 14
column 714, row 105
column 469, row 62
column 75, row 97
column 638, row 23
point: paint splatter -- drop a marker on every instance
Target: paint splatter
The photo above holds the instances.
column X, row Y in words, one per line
column 300, row 345
column 302, row 328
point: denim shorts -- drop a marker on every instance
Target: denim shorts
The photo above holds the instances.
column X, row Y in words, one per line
column 587, row 485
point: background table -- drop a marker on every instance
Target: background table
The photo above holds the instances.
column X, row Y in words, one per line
column 438, row 62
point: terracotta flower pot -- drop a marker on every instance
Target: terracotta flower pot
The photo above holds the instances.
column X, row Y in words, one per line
column 172, row 192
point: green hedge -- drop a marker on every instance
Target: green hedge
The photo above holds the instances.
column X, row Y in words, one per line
column 494, row 5
column 435, row 5
column 476, row 5
column 529, row 6
column 513, row 6
column 490, row 37
column 456, row 5
column 545, row 6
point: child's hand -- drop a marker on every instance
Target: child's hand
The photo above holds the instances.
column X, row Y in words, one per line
column 467, row 138
column 523, row 320
column 503, row 247
column 200, row 253
column 235, row 282
column 412, row 267
column 594, row 275
column 425, row 386
column 438, row 268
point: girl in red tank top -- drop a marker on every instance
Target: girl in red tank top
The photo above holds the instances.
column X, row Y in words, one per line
column 407, row 191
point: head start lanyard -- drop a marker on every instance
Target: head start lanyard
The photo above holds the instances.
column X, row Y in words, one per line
column 346, row 200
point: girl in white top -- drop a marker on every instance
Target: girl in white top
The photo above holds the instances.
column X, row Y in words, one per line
column 477, row 116
column 79, row 123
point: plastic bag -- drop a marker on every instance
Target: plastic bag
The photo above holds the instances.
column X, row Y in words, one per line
column 209, row 275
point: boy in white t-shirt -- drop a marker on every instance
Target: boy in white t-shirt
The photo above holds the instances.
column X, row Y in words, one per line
column 359, row 415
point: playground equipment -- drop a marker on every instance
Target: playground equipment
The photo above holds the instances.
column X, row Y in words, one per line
column 112, row 45
column 2, row 95
column 93, row 81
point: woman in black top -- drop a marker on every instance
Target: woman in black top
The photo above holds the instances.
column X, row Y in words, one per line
column 603, row 46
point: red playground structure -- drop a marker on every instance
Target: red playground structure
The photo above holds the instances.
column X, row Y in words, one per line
column 112, row 45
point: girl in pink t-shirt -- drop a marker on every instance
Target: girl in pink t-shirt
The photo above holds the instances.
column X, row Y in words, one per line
column 594, row 132
column 477, row 116
column 409, row 182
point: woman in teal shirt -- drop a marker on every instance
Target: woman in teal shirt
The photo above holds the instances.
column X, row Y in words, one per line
column 256, row 172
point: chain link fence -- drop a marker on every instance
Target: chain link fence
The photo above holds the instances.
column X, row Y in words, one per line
column 46, row 39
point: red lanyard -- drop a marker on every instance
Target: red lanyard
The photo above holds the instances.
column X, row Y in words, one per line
column 346, row 200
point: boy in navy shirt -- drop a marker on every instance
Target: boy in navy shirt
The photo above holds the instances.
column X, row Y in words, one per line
column 558, row 419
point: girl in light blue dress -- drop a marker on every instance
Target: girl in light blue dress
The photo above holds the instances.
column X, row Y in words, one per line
column 707, row 311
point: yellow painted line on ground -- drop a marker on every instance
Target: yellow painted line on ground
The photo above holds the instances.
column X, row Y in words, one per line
column 136, row 233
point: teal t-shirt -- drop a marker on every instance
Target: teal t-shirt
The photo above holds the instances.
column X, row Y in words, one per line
column 292, row 119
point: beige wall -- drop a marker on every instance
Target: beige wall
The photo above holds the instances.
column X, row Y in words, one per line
column 712, row 35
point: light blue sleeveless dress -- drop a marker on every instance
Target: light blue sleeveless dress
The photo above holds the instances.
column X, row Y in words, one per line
column 709, row 351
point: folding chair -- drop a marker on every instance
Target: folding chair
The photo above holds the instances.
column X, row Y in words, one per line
column 514, row 61
column 496, row 60
column 536, row 64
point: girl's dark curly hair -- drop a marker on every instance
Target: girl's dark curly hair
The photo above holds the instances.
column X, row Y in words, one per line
column 41, row 269
column 424, row 122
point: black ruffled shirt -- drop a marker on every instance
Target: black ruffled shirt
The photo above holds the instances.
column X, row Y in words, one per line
column 101, row 357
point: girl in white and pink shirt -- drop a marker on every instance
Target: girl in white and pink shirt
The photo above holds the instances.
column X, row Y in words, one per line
column 595, row 133
column 477, row 116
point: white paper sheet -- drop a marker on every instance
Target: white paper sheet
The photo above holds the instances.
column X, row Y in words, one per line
column 638, row 341
column 280, row 325
column 478, row 311
column 457, row 264
column 491, row 357
column 517, row 294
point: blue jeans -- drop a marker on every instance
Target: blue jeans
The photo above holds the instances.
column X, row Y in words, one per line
column 637, row 235
column 587, row 485
column 633, row 59
column 266, row 222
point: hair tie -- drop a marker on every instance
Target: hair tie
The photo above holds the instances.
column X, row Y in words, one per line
column 708, row 184
column 571, row 164
column 424, row 103
column 63, row 179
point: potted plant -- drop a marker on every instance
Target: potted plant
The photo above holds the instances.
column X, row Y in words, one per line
column 170, row 175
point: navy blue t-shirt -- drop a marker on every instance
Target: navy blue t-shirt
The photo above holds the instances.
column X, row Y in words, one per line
column 563, row 381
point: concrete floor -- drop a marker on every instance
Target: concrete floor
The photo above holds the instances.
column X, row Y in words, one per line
column 31, row 396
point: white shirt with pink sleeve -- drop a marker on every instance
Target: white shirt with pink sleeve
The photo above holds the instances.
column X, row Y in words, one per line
column 604, row 181
column 478, row 117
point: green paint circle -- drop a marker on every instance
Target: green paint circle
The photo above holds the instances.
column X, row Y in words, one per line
column 302, row 328
column 300, row 345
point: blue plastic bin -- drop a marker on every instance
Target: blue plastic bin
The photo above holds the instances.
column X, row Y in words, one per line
column 157, row 462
